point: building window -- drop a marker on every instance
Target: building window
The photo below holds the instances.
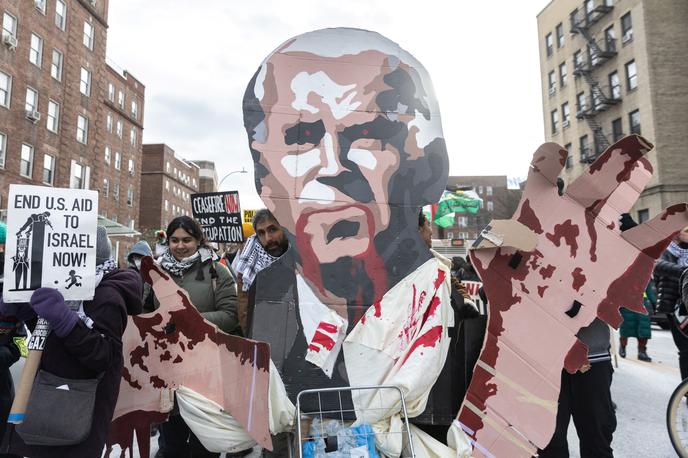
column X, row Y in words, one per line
column 134, row 109
column 167, row 184
column 562, row 74
column 108, row 122
column 88, row 35
column 107, row 155
column 130, row 196
column 626, row 28
column 593, row 58
column 130, row 167
column 120, row 99
column 581, row 105
column 9, row 25
column 81, row 129
column 31, row 100
column 56, row 65
column 643, row 215
column 634, row 122
column 167, row 166
column 119, row 128
column 48, row 169
column 53, row 122
column 577, row 59
column 40, row 5
column 26, row 161
column 106, row 187
column 167, row 205
column 5, row 89
column 118, row 161
column 490, row 206
column 115, row 191
column 3, row 148
column 631, row 76
column 551, row 82
column 569, row 155
column 549, row 44
column 554, row 117
column 480, row 190
column 60, row 14
column 615, row 85
column 111, row 92
column 36, row 51
column 560, row 35
column 610, row 38
column 488, row 189
column 565, row 114
column 85, row 84
column 132, row 137
column 584, row 148
column 617, row 130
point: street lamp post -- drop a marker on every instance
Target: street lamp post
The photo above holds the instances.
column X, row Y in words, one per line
column 243, row 170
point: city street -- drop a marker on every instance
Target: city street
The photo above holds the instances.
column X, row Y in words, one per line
column 641, row 392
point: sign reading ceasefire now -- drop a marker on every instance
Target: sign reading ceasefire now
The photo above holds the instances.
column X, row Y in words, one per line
column 219, row 214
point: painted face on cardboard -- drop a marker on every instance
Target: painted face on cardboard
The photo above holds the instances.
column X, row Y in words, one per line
column 330, row 150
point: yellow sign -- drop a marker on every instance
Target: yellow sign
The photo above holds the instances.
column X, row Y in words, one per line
column 248, row 215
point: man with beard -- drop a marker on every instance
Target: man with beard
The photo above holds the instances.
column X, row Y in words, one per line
column 346, row 138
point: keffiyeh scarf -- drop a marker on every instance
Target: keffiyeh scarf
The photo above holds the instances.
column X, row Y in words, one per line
column 680, row 253
column 252, row 259
column 179, row 268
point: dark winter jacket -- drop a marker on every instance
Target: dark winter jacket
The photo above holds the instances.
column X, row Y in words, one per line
column 85, row 353
column 667, row 274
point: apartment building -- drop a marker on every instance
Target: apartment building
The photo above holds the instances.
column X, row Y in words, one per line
column 67, row 118
column 208, row 181
column 610, row 68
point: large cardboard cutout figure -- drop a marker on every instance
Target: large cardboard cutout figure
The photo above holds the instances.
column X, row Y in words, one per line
column 347, row 142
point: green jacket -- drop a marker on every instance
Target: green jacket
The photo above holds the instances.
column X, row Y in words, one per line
column 217, row 304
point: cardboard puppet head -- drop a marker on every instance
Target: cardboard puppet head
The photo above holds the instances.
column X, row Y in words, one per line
column 346, row 137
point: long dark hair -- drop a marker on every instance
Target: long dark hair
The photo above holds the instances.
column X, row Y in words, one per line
column 190, row 225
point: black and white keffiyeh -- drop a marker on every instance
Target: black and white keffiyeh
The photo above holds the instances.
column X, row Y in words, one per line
column 252, row 259
column 179, row 268
column 680, row 253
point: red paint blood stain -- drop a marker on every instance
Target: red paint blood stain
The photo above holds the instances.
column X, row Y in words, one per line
column 440, row 278
column 567, row 231
column 547, row 272
column 138, row 355
column 127, row 377
column 327, row 327
column 534, row 260
column 166, row 356
column 645, row 163
column 323, row 340
column 611, row 226
column 578, row 278
column 541, row 290
column 626, row 291
column 591, row 213
column 601, row 160
column 658, row 248
column 563, row 155
column 529, row 218
column 157, row 382
column 537, row 161
column 432, row 308
column 576, row 358
column 524, row 289
column 178, row 359
column 674, row 210
column 378, row 309
column 122, row 431
column 429, row 339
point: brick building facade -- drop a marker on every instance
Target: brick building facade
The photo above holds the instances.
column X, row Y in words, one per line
column 167, row 181
column 65, row 114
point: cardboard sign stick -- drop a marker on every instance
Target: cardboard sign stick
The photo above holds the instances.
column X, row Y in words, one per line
column 33, row 361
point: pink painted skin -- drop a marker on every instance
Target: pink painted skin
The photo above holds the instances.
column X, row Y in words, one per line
column 193, row 353
column 510, row 407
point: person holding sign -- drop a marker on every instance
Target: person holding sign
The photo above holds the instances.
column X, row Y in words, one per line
column 191, row 263
column 83, row 348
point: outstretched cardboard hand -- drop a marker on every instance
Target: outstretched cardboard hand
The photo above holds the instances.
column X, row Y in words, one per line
column 581, row 268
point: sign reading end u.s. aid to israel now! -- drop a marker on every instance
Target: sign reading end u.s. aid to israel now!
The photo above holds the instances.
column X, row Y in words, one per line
column 51, row 242
column 219, row 214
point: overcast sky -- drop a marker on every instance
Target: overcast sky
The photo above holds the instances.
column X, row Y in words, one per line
column 196, row 58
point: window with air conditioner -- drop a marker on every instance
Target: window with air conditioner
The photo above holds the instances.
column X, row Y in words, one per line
column 53, row 122
column 551, row 82
column 85, row 83
column 626, row 28
column 26, row 161
column 56, row 65
column 9, row 27
column 36, row 50
column 31, row 105
column 130, row 167
column 5, row 89
column 60, row 14
column 3, row 149
column 48, row 169
column 82, row 129
column 88, row 35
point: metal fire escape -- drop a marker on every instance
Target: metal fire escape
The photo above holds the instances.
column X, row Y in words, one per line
column 597, row 55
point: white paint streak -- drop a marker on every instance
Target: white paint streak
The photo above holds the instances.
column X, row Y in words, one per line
column 318, row 192
column 297, row 165
column 362, row 157
column 259, row 87
column 428, row 130
column 331, row 166
column 319, row 82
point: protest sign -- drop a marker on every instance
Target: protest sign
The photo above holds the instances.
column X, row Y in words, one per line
column 219, row 215
column 51, row 242
column 473, row 290
column 248, row 215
